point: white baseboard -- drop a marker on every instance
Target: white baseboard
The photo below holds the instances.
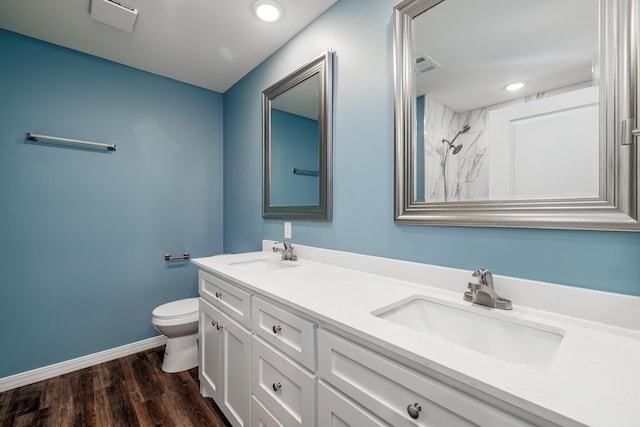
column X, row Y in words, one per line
column 46, row 372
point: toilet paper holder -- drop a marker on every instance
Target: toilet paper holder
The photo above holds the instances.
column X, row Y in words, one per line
column 169, row 257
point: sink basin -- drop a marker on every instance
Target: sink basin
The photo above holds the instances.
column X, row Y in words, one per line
column 524, row 343
column 261, row 265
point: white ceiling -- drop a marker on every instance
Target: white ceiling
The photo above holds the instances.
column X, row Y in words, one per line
column 484, row 45
column 207, row 43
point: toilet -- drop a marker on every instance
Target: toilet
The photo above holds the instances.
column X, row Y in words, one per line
column 178, row 321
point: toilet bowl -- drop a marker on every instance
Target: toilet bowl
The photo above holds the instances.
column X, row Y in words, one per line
column 178, row 321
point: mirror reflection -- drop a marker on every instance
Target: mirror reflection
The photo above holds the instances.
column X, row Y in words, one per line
column 507, row 101
column 517, row 113
column 297, row 143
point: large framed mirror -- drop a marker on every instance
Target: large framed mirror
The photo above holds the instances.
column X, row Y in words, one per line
column 296, row 115
column 517, row 113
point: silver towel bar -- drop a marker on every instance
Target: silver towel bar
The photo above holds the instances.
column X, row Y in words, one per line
column 71, row 142
column 169, row 257
column 305, row 172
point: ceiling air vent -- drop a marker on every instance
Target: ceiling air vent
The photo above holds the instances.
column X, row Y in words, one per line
column 424, row 64
column 114, row 13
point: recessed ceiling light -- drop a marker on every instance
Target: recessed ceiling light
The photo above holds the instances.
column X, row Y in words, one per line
column 515, row 86
column 267, row 10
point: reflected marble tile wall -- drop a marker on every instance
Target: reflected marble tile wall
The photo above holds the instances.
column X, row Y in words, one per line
column 465, row 175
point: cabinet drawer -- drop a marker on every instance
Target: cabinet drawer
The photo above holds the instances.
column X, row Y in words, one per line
column 233, row 301
column 294, row 336
column 285, row 389
column 391, row 390
column 337, row 410
column 260, row 417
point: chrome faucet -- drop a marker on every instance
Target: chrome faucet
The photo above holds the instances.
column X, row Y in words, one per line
column 482, row 292
column 288, row 252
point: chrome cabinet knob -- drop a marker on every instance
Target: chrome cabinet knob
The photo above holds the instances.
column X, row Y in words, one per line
column 414, row 410
column 218, row 294
column 276, row 386
column 276, row 328
column 214, row 323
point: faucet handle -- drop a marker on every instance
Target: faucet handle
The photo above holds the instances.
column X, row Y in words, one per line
column 478, row 272
column 484, row 277
column 286, row 243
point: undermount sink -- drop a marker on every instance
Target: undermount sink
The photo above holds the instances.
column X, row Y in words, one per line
column 524, row 343
column 261, row 264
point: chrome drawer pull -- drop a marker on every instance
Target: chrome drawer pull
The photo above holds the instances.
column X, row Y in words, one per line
column 218, row 294
column 276, row 386
column 414, row 410
column 276, row 328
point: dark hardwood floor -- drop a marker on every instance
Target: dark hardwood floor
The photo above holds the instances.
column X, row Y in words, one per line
column 131, row 391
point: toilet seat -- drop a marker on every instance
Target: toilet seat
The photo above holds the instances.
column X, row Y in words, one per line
column 176, row 312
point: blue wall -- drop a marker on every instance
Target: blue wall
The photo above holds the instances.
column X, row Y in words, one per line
column 83, row 233
column 360, row 31
column 295, row 142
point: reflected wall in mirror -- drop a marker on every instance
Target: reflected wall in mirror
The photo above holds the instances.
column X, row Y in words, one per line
column 549, row 117
column 297, row 143
column 510, row 113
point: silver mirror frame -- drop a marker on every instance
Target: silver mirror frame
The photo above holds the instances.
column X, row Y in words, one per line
column 617, row 208
column 323, row 66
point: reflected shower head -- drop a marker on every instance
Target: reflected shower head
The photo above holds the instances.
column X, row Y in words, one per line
column 456, row 148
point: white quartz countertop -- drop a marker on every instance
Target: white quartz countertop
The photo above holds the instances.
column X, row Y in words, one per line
column 594, row 378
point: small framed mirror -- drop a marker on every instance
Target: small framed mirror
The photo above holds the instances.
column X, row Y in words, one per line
column 517, row 113
column 296, row 115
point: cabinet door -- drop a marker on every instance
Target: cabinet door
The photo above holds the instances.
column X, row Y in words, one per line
column 210, row 351
column 339, row 411
column 236, row 372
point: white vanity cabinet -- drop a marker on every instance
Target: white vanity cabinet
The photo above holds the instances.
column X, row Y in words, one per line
column 225, row 360
column 392, row 392
column 296, row 347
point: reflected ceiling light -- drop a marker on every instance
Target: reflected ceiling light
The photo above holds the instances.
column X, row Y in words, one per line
column 267, row 10
column 515, row 86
